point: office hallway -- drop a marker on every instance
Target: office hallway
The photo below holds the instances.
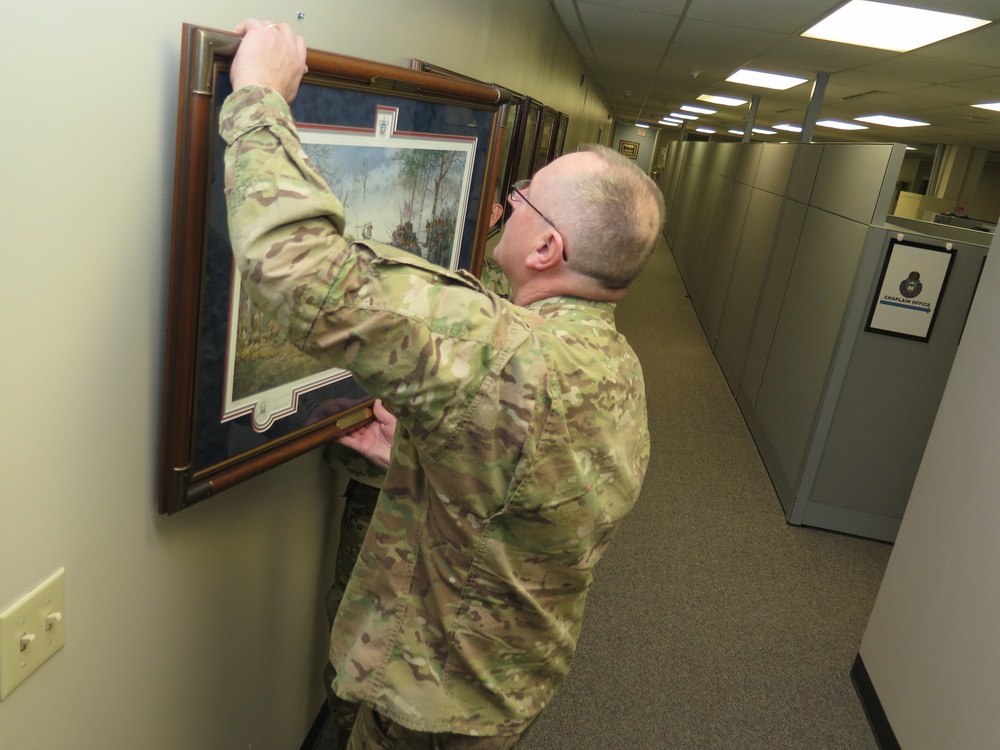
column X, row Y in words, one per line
column 712, row 624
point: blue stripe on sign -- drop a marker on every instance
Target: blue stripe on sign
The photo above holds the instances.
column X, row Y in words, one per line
column 905, row 307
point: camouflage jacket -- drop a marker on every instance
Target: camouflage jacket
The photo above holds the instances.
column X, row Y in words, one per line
column 521, row 444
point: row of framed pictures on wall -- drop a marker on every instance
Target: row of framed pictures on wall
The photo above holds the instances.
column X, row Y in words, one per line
column 532, row 134
column 417, row 156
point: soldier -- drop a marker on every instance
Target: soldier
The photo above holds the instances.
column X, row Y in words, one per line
column 521, row 440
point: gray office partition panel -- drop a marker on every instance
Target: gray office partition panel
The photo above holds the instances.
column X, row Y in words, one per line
column 775, row 167
column 688, row 217
column 822, row 278
column 709, row 306
column 772, row 297
column 710, row 229
column 871, row 442
column 857, row 180
column 749, row 269
column 782, row 252
column 746, row 166
column 803, row 177
column 672, row 173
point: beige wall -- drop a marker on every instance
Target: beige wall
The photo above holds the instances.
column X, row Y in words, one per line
column 201, row 630
column 930, row 647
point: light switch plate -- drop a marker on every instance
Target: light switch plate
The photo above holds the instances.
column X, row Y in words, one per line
column 31, row 630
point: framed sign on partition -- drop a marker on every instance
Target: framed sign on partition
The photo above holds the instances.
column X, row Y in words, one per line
column 412, row 157
column 910, row 288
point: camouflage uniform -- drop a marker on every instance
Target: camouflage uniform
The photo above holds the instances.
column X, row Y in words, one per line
column 494, row 279
column 521, row 444
column 360, row 496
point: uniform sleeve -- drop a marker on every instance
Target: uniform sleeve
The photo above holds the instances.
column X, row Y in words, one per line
column 416, row 335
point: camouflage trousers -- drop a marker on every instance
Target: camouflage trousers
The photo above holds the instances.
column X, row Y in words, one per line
column 373, row 731
column 359, row 506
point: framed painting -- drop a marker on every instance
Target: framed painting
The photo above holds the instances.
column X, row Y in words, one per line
column 513, row 119
column 411, row 155
column 629, row 149
column 559, row 142
column 526, row 158
column 909, row 290
column 545, row 140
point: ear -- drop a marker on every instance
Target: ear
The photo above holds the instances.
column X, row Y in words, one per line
column 496, row 211
column 547, row 254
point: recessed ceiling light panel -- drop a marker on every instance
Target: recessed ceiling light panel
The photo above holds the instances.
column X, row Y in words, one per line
column 764, row 80
column 890, row 27
column 891, row 122
column 995, row 106
column 840, row 125
column 722, row 101
column 697, row 110
column 787, row 127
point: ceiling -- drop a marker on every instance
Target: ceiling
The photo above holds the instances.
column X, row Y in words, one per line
column 648, row 57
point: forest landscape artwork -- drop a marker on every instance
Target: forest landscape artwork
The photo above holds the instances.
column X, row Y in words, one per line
column 405, row 191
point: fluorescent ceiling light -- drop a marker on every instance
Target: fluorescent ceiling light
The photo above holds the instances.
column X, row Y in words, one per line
column 763, row 131
column 641, row 125
column 683, row 116
column 891, row 27
column 707, row 131
column 697, row 110
column 891, row 122
column 787, row 127
column 764, row 80
column 995, row 106
column 722, row 101
column 671, row 123
column 736, row 132
column 838, row 125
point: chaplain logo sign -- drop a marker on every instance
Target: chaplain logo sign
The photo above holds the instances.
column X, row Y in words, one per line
column 913, row 279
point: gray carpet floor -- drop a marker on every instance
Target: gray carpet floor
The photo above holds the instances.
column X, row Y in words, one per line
column 712, row 624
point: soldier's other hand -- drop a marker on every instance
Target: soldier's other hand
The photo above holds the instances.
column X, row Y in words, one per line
column 373, row 440
column 270, row 55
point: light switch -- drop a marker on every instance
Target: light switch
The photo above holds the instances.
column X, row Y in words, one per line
column 31, row 630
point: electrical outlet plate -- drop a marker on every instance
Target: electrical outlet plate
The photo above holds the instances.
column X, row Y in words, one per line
column 31, row 631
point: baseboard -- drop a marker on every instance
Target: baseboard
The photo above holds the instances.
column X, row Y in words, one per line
column 877, row 719
column 316, row 730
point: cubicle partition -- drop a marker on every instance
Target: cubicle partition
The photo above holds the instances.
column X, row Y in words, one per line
column 782, row 249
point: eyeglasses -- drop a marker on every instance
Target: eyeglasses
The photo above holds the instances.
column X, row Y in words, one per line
column 517, row 194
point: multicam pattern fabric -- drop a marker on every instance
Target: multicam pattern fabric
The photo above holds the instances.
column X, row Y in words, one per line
column 360, row 500
column 521, row 444
column 351, row 464
column 493, row 278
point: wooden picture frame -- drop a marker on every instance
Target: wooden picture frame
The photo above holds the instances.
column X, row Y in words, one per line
column 629, row 149
column 525, row 167
column 208, row 444
column 559, row 141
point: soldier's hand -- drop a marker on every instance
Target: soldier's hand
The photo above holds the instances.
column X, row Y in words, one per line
column 270, row 55
column 374, row 440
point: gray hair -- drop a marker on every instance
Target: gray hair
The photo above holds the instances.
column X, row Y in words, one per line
column 610, row 218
